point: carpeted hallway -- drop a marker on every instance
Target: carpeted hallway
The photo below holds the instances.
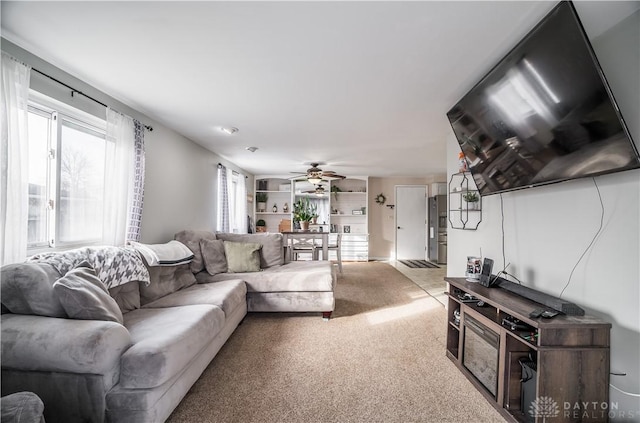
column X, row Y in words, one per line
column 381, row 358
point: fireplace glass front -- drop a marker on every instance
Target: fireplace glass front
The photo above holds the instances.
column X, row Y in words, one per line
column 481, row 349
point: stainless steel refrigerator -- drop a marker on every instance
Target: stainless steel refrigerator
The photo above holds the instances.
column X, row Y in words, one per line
column 438, row 229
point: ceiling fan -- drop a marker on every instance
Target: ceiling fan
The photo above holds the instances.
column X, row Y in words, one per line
column 319, row 190
column 315, row 175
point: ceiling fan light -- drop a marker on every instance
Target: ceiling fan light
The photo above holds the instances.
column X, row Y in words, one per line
column 314, row 180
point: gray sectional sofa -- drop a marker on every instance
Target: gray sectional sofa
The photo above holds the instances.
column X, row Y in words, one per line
column 129, row 349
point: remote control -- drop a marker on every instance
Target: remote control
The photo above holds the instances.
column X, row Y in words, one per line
column 549, row 314
column 536, row 313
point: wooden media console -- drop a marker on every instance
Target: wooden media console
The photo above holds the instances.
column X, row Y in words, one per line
column 530, row 369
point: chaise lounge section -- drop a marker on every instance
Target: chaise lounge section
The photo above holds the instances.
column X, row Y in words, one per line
column 276, row 286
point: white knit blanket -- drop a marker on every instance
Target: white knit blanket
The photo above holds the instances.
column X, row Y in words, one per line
column 172, row 253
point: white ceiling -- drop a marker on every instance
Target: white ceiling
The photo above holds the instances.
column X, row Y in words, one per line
column 361, row 86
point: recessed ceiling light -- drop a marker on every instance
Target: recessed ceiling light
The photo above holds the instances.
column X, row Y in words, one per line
column 252, row 149
column 229, row 130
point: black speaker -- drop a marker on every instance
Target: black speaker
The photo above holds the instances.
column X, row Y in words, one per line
column 485, row 276
column 528, row 388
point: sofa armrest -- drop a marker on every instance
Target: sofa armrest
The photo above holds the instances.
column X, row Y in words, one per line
column 63, row 345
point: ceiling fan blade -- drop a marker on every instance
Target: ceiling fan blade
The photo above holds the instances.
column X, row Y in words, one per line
column 297, row 176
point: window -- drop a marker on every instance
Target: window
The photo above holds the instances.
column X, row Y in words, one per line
column 66, row 175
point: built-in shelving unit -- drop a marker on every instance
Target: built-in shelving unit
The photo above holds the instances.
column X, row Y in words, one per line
column 561, row 360
column 278, row 192
column 341, row 209
column 464, row 214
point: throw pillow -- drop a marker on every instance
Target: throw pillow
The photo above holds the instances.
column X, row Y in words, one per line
column 197, row 264
column 27, row 288
column 215, row 260
column 242, row 256
column 272, row 252
column 191, row 239
column 83, row 296
column 127, row 296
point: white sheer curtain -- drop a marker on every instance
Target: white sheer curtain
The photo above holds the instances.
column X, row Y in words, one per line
column 14, row 200
column 119, row 177
column 240, row 218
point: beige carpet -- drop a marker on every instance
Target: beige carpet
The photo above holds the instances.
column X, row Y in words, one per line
column 381, row 358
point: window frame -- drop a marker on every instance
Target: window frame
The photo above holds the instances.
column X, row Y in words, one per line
column 60, row 114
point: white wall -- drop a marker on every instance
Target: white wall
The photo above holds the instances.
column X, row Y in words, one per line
column 382, row 228
column 547, row 229
column 180, row 186
column 180, row 177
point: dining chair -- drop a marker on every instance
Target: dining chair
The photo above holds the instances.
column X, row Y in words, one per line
column 337, row 247
column 304, row 246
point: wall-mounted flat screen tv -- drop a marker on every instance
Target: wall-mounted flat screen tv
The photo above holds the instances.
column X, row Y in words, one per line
column 543, row 114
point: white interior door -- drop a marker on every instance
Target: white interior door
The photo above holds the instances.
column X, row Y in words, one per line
column 411, row 222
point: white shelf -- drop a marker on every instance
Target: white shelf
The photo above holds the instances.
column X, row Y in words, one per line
column 348, row 215
column 275, row 192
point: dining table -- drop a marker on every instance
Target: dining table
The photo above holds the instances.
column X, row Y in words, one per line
column 289, row 236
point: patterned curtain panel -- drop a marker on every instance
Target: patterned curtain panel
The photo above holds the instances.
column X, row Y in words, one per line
column 135, row 211
column 223, row 200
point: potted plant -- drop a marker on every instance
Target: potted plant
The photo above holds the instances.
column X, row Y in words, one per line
column 261, row 226
column 303, row 212
column 472, row 199
column 335, row 190
column 261, row 200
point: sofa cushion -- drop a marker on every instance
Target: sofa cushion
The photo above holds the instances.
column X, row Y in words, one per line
column 272, row 252
column 225, row 294
column 215, row 260
column 296, row 276
column 165, row 340
column 242, row 256
column 27, row 288
column 164, row 281
column 83, row 296
column 192, row 239
column 127, row 296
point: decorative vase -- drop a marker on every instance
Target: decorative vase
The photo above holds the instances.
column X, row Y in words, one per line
column 285, row 208
column 304, row 225
column 275, row 208
column 262, row 207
